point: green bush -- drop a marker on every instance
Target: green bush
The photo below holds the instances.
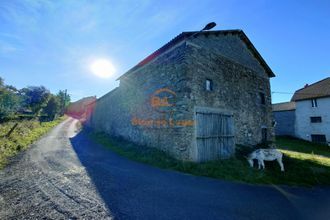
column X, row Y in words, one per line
column 9, row 104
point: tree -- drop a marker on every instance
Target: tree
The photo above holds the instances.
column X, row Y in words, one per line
column 9, row 104
column 64, row 99
column 9, row 100
column 12, row 88
column 35, row 97
column 53, row 107
column 1, row 82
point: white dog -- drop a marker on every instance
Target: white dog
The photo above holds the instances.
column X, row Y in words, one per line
column 265, row 154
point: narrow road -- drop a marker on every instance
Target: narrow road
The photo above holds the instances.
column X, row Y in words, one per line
column 67, row 176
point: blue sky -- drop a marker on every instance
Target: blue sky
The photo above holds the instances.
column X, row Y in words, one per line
column 53, row 43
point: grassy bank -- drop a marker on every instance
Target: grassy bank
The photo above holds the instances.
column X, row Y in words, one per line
column 303, row 168
column 26, row 132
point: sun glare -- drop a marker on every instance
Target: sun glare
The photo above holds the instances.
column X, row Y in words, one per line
column 102, row 68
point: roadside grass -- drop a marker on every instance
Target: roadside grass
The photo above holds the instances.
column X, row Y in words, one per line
column 26, row 132
column 302, row 168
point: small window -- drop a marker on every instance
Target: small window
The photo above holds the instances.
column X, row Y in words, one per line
column 314, row 103
column 316, row 119
column 208, row 85
column 262, row 98
column 319, row 138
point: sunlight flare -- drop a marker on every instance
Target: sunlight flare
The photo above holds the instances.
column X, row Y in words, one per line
column 102, row 68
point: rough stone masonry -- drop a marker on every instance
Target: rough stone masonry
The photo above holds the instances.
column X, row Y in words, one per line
column 194, row 98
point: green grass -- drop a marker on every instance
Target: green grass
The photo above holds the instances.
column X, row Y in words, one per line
column 302, row 167
column 293, row 144
column 24, row 134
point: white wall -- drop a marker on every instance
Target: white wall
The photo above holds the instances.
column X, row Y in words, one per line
column 304, row 110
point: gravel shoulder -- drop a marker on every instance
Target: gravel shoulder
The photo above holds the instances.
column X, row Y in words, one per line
column 48, row 181
column 65, row 175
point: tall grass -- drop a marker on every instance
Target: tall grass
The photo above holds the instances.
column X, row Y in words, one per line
column 24, row 134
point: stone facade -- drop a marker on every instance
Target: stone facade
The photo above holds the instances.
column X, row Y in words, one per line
column 155, row 103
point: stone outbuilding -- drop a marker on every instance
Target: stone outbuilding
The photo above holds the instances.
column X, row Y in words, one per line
column 82, row 108
column 194, row 98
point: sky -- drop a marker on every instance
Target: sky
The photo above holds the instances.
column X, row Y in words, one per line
column 55, row 43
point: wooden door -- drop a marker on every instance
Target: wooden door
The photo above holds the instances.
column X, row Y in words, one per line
column 215, row 136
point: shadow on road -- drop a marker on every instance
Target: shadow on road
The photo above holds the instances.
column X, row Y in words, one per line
column 133, row 190
column 97, row 162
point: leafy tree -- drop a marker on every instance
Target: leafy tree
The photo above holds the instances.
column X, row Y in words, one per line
column 9, row 104
column 53, row 107
column 9, row 100
column 35, row 97
column 1, row 82
column 12, row 88
column 64, row 99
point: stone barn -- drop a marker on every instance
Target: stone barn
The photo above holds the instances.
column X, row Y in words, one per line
column 194, row 98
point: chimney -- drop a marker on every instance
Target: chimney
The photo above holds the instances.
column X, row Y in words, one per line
column 306, row 85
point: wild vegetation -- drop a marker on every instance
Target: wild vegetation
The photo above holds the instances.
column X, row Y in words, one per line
column 30, row 102
column 25, row 133
column 305, row 164
column 25, row 115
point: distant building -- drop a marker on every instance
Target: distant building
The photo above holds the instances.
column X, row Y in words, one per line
column 194, row 98
column 81, row 109
column 313, row 112
column 284, row 116
column 307, row 116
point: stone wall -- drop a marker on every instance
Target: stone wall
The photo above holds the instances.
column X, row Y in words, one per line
column 236, row 89
column 231, row 47
column 151, row 106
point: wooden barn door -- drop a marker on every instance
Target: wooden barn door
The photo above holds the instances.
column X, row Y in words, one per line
column 215, row 136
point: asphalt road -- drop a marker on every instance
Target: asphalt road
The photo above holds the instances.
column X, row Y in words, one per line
column 66, row 176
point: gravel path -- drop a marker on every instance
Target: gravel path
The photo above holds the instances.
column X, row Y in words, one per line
column 66, row 176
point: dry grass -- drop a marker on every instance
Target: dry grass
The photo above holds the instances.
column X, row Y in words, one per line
column 24, row 134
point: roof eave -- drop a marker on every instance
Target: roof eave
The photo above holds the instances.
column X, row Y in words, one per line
column 316, row 97
column 257, row 54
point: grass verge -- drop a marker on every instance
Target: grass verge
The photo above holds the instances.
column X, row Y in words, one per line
column 24, row 134
column 302, row 167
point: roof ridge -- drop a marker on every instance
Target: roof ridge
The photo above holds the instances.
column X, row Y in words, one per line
column 313, row 84
column 216, row 31
column 284, row 106
column 184, row 35
column 315, row 90
column 281, row 103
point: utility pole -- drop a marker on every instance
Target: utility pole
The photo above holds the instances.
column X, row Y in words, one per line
column 64, row 101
